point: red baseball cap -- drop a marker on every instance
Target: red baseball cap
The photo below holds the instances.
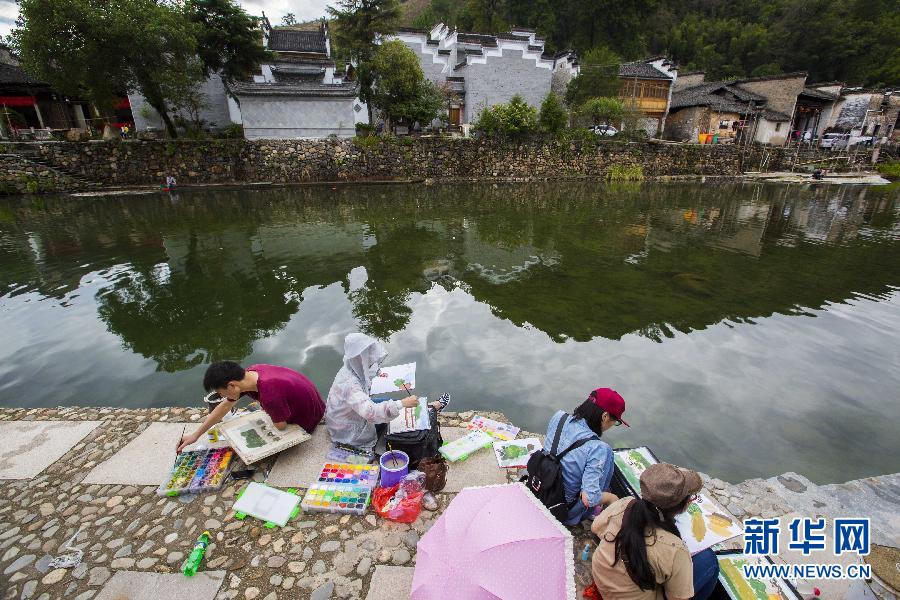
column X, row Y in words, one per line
column 611, row 401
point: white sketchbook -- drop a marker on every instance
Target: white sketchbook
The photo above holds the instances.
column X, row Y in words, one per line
column 267, row 503
column 412, row 419
column 393, row 379
column 254, row 437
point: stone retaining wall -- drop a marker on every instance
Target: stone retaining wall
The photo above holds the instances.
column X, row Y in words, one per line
column 137, row 162
column 21, row 176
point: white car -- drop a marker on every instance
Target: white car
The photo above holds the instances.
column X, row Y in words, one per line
column 835, row 141
column 604, row 130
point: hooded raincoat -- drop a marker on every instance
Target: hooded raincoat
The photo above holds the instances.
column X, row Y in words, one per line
column 350, row 415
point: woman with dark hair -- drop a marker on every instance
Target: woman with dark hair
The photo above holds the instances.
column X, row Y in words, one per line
column 588, row 469
column 641, row 555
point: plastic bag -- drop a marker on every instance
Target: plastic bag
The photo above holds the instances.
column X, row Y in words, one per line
column 396, row 504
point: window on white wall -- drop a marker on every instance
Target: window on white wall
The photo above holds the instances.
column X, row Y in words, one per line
column 777, row 126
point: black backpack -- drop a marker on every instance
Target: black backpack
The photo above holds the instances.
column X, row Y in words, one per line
column 544, row 477
column 420, row 444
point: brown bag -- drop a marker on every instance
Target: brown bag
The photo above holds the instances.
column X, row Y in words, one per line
column 435, row 469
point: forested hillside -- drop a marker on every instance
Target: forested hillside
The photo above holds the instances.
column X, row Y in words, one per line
column 855, row 41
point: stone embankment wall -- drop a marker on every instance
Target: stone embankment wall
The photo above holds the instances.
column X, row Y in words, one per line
column 21, row 176
column 135, row 162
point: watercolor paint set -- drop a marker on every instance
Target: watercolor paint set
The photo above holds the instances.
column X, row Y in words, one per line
column 349, row 474
column 198, row 471
column 337, row 498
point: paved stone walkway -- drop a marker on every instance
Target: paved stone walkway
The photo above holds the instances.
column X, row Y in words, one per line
column 94, row 480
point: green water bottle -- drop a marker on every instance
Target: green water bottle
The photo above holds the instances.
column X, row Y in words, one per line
column 190, row 566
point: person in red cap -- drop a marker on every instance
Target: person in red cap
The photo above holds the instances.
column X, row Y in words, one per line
column 588, row 468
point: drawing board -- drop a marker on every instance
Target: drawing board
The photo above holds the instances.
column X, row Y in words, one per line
column 393, row 379
column 739, row 587
column 412, row 419
column 703, row 525
column 254, row 437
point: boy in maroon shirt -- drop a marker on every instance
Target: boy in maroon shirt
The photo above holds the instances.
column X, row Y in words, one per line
column 286, row 395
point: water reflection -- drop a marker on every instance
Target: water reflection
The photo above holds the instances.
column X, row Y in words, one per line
column 517, row 296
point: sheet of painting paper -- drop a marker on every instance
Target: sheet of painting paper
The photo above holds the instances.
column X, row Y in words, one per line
column 632, row 462
column 267, row 503
column 254, row 437
column 393, row 379
column 499, row 430
column 412, row 419
column 738, row 587
column 705, row 524
column 514, row 454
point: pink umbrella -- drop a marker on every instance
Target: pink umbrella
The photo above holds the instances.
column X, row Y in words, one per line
column 496, row 541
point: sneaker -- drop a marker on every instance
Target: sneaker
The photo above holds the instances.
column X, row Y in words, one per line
column 444, row 400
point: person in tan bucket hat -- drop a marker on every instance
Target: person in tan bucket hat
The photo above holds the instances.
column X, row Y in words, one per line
column 641, row 555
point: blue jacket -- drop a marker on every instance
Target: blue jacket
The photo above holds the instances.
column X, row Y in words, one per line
column 587, row 469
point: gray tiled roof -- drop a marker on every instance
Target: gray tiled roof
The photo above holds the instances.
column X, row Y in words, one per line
column 641, row 70
column 310, row 89
column 819, row 94
column 10, row 74
column 724, row 97
column 290, row 40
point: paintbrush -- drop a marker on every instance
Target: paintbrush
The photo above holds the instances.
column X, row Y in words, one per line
column 183, row 431
column 394, row 461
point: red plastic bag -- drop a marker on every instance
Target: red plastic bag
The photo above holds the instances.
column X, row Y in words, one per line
column 402, row 510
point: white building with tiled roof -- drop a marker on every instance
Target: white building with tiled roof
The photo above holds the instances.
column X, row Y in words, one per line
column 484, row 70
column 299, row 95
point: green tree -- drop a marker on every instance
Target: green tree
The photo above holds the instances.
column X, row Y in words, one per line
column 358, row 23
column 400, row 90
column 289, row 19
column 553, row 117
column 599, row 76
column 605, row 110
column 96, row 49
column 228, row 39
column 513, row 119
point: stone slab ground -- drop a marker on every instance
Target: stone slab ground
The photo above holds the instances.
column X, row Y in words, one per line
column 300, row 465
column 390, row 583
column 136, row 585
column 126, row 529
column 29, row 447
column 146, row 460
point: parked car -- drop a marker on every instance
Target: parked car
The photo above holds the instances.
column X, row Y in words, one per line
column 835, row 141
column 604, row 130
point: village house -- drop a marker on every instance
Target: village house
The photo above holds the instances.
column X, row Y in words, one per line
column 299, row 94
column 760, row 109
column 861, row 112
column 31, row 106
column 647, row 88
column 484, row 70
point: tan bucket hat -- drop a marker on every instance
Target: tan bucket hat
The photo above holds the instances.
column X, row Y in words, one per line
column 666, row 485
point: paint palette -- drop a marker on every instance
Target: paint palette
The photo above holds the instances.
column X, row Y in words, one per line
column 349, row 474
column 198, row 471
column 337, row 498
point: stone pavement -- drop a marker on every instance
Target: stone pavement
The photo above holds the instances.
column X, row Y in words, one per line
column 29, row 447
column 96, row 493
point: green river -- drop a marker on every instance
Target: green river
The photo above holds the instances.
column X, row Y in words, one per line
column 752, row 328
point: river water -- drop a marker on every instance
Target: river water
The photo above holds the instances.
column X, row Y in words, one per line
column 752, row 329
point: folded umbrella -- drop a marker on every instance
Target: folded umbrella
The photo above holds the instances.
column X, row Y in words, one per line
column 495, row 542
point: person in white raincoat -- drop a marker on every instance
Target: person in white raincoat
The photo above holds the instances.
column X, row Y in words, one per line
column 350, row 414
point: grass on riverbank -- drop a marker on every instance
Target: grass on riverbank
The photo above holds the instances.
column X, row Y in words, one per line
column 889, row 170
